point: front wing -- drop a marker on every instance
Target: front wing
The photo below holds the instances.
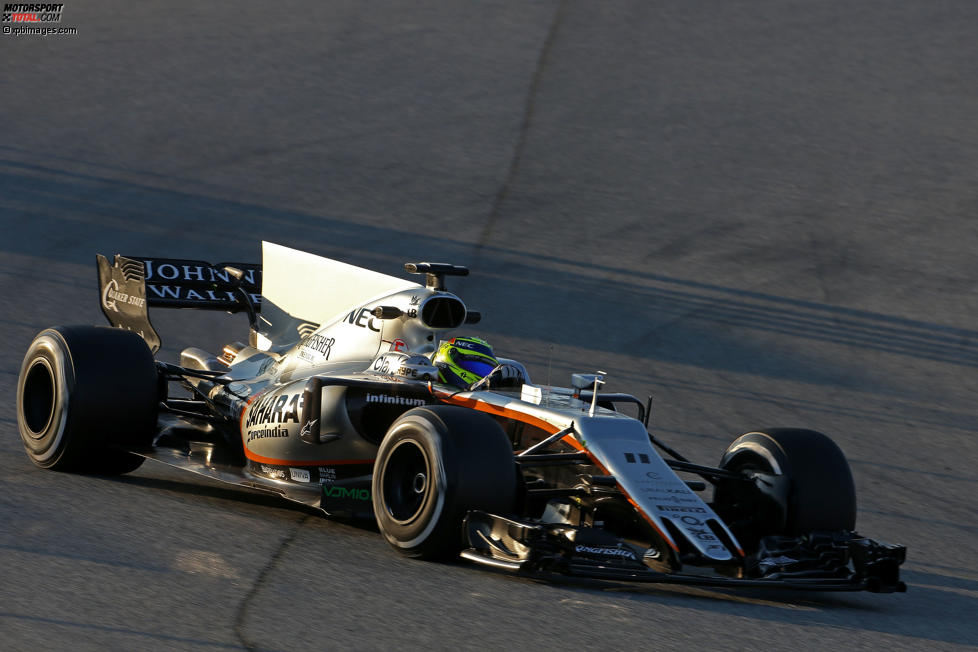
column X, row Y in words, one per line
column 830, row 561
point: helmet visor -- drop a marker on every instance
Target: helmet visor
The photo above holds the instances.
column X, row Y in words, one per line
column 480, row 366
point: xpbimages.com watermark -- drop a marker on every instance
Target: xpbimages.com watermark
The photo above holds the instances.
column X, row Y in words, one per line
column 34, row 19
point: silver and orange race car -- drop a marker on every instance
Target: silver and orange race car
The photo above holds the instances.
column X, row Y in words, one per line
column 336, row 402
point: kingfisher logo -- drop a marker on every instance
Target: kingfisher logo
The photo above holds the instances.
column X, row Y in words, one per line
column 606, row 552
column 32, row 13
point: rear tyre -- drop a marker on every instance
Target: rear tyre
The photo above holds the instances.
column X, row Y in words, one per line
column 434, row 465
column 812, row 488
column 85, row 393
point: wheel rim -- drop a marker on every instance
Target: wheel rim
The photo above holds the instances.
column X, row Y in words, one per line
column 406, row 482
column 38, row 398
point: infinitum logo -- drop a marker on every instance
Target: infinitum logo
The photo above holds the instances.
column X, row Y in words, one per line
column 32, row 13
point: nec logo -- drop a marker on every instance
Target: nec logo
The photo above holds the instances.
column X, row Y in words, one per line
column 361, row 318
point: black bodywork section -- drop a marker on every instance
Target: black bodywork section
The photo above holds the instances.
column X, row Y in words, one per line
column 193, row 435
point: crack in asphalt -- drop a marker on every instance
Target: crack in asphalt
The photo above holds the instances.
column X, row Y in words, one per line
column 529, row 109
column 239, row 617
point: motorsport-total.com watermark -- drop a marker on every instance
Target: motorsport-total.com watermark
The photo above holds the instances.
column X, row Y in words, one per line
column 34, row 19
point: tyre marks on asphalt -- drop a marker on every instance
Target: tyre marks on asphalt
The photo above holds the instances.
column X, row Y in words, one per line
column 239, row 617
column 529, row 109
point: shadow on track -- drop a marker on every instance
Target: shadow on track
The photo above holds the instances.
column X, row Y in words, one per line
column 672, row 319
column 236, row 494
column 942, row 598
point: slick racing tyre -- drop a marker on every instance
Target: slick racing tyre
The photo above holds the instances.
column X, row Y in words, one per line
column 811, row 488
column 83, row 393
column 434, row 465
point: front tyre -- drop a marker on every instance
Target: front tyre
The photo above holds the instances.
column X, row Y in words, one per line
column 82, row 394
column 802, row 484
column 434, row 465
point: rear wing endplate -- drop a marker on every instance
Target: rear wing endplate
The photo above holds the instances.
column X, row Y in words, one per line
column 129, row 285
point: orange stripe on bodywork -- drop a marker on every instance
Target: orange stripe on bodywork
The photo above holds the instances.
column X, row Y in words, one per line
column 489, row 408
column 255, row 457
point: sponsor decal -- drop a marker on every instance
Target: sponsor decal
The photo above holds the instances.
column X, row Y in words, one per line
column 399, row 345
column 415, row 300
column 394, row 400
column 676, row 490
column 346, row 492
column 30, row 16
column 327, row 475
column 404, row 365
column 110, row 287
column 111, row 297
column 179, row 292
column 275, row 409
column 414, row 372
column 264, row 433
column 642, row 457
column 273, row 472
column 362, row 318
column 306, row 328
column 319, row 345
column 300, row 475
column 668, row 489
column 308, row 428
column 652, row 553
column 606, row 551
column 155, row 272
column 383, row 363
column 681, row 509
column 32, row 12
column 193, row 280
column 697, row 528
column 671, row 498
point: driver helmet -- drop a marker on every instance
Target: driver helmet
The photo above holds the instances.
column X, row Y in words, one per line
column 462, row 361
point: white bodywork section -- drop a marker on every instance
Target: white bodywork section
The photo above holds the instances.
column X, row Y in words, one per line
column 623, row 448
column 302, row 288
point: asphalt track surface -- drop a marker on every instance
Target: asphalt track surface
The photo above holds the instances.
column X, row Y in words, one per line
column 762, row 212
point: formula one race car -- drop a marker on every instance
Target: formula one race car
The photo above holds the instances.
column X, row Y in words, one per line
column 348, row 397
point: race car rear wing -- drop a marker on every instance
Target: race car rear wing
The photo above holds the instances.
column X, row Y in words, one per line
column 131, row 284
